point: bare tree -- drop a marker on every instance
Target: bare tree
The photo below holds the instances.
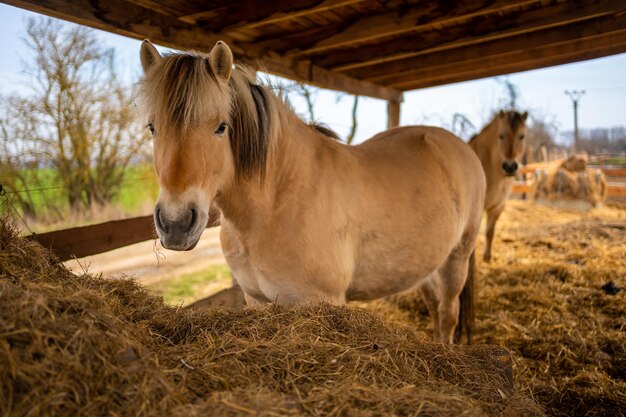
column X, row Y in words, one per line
column 509, row 101
column 81, row 118
column 542, row 132
column 462, row 126
column 309, row 95
column 354, row 125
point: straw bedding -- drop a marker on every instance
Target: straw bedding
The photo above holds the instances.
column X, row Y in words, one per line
column 554, row 295
column 83, row 345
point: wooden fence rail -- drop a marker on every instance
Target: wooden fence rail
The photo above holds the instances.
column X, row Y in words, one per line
column 84, row 241
column 613, row 190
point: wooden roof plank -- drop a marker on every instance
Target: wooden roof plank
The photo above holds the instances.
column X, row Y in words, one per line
column 501, row 27
column 261, row 12
column 128, row 19
column 311, row 74
column 492, row 69
column 402, row 22
column 472, row 55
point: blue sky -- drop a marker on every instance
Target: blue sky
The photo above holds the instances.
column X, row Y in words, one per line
column 542, row 91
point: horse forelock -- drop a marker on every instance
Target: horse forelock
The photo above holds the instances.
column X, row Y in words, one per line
column 183, row 90
column 515, row 119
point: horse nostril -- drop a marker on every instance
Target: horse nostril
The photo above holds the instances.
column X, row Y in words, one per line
column 192, row 221
column 159, row 220
column 514, row 166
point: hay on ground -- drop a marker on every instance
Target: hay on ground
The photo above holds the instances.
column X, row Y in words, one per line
column 83, row 345
column 545, row 297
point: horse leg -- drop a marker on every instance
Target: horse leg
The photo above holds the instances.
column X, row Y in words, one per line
column 453, row 274
column 251, row 301
column 492, row 217
column 429, row 290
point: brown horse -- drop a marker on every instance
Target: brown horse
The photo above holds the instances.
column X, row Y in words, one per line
column 499, row 146
column 306, row 218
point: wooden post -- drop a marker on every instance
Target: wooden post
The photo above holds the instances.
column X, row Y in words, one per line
column 393, row 114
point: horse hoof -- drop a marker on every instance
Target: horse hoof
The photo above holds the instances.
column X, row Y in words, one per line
column 487, row 258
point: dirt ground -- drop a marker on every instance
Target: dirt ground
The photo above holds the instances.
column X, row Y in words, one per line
column 150, row 263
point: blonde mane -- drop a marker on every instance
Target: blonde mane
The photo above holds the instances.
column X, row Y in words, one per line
column 183, row 90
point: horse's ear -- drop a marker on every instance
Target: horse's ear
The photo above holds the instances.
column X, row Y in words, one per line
column 525, row 116
column 221, row 60
column 149, row 55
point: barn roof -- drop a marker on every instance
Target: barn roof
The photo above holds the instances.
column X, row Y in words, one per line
column 375, row 48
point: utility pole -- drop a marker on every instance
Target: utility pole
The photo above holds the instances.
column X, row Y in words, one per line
column 575, row 95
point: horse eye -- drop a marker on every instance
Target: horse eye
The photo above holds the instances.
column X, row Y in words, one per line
column 521, row 137
column 501, row 137
column 151, row 127
column 221, row 129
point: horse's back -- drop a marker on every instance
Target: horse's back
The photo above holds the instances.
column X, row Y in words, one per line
column 431, row 155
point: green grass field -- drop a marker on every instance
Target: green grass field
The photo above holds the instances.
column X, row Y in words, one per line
column 186, row 288
column 139, row 190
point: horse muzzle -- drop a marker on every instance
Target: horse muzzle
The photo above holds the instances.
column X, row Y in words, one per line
column 510, row 168
column 180, row 231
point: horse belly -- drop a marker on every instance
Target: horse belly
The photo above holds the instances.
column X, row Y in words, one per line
column 272, row 273
column 396, row 268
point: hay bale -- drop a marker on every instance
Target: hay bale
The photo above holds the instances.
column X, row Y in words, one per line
column 575, row 163
column 84, row 345
column 570, row 185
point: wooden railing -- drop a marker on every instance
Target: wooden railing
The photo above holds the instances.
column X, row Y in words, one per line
column 79, row 242
column 520, row 187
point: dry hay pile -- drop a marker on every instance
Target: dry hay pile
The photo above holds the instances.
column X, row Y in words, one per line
column 83, row 345
column 570, row 185
column 542, row 297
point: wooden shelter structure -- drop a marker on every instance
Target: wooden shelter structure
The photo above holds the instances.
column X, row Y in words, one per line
column 375, row 48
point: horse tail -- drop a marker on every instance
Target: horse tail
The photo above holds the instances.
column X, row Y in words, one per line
column 466, row 310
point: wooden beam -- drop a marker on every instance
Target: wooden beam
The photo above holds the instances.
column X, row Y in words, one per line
column 257, row 13
column 473, row 54
column 158, row 6
column 614, row 190
column 393, row 114
column 429, row 16
column 124, row 18
column 79, row 242
column 128, row 19
column 468, row 34
column 501, row 65
column 306, row 72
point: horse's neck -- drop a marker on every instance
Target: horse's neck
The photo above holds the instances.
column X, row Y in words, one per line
column 487, row 147
column 291, row 163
